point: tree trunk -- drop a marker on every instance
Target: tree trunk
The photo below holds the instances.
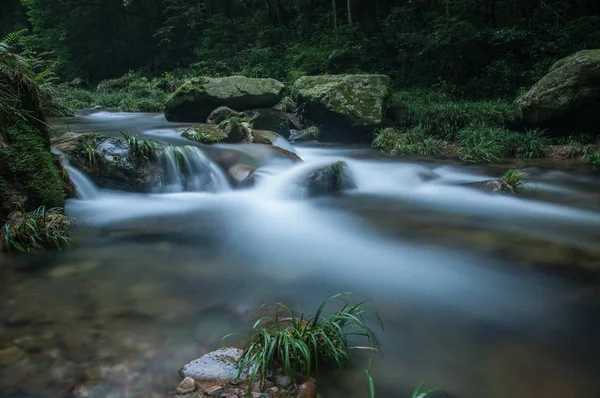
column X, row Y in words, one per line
column 334, row 15
column 349, row 6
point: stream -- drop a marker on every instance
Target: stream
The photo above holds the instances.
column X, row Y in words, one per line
column 480, row 295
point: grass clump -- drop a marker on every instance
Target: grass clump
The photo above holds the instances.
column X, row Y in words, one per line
column 37, row 230
column 530, row 145
column 204, row 135
column 513, row 181
column 412, row 141
column 140, row 149
column 298, row 344
column 482, row 143
column 440, row 115
column 592, row 156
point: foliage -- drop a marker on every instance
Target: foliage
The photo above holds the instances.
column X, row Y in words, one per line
column 40, row 229
column 411, row 141
column 593, row 156
column 299, row 344
column 482, row 144
column 532, row 145
column 422, row 394
column 439, row 114
column 203, row 135
column 513, row 181
column 143, row 150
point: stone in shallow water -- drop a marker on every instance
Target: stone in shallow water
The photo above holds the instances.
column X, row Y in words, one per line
column 11, row 355
column 187, row 385
column 217, row 365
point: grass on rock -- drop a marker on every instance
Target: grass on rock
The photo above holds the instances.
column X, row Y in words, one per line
column 513, row 181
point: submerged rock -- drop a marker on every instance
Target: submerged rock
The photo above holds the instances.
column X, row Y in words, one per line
column 270, row 119
column 218, row 365
column 493, row 186
column 198, row 97
column 11, row 355
column 186, row 386
column 329, row 180
column 241, row 174
column 570, row 90
column 236, row 131
column 349, row 106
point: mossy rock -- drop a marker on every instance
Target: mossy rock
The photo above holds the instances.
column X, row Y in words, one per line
column 269, row 119
column 307, row 134
column 108, row 161
column 329, row 180
column 352, row 103
column 204, row 134
column 570, row 89
column 221, row 114
column 198, row 97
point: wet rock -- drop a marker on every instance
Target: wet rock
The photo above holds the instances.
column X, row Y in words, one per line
column 221, row 114
column 186, row 386
column 29, row 343
column 214, row 390
column 198, row 97
column 282, row 153
column 81, row 392
column 109, row 161
column 11, row 355
column 217, row 365
column 236, row 131
column 265, row 137
column 307, row 390
column 492, row 186
column 241, row 174
column 269, row 119
column 205, row 134
column 307, row 134
column 283, row 381
column 329, row 180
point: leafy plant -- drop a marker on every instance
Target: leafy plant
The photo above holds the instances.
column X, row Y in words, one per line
column 513, row 181
column 412, row 141
column 36, row 230
column 140, row 149
column 422, row 394
column 299, row 344
column 482, row 144
column 592, row 156
column 532, row 145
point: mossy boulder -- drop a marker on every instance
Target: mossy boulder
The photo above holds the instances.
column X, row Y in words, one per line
column 349, row 106
column 329, row 180
column 198, row 97
column 570, row 92
column 109, row 161
column 307, row 134
column 205, row 134
column 30, row 175
column 236, row 131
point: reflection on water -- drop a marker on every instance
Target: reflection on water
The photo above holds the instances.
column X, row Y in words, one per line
column 471, row 287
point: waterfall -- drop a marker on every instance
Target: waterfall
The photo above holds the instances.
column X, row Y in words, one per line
column 187, row 168
column 84, row 187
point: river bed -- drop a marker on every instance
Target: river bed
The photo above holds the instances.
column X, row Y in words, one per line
column 480, row 295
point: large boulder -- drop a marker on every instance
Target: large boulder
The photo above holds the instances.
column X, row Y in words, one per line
column 109, row 161
column 569, row 93
column 349, row 106
column 198, row 97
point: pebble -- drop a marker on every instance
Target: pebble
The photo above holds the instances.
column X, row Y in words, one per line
column 215, row 390
column 187, row 385
column 283, row 381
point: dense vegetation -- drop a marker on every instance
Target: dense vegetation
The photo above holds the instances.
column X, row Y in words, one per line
column 488, row 48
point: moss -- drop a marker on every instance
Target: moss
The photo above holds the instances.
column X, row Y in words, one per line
column 204, row 135
column 29, row 170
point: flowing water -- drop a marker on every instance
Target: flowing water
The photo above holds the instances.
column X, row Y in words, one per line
column 481, row 295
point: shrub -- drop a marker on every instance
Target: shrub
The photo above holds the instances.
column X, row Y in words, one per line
column 532, row 145
column 482, row 144
column 298, row 344
column 411, row 141
column 592, row 156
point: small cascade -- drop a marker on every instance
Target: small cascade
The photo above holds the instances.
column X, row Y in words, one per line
column 84, row 187
column 186, row 169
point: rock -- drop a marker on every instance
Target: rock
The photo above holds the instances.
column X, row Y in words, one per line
column 265, row 137
column 236, row 131
column 29, row 343
column 241, row 174
column 28, row 169
column 329, row 180
column 569, row 92
column 80, row 391
column 493, row 186
column 204, row 134
column 198, row 97
column 108, row 161
column 307, row 134
column 221, row 114
column 186, row 386
column 214, row 390
column 11, row 355
column 269, row 119
column 283, row 381
column 349, row 106
column 215, row 366
column 283, row 153
column 307, row 390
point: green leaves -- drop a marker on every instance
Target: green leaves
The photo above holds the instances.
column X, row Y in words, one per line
column 422, row 394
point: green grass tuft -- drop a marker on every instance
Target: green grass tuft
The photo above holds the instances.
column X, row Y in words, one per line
column 482, row 143
column 592, row 156
column 140, row 149
column 412, row 141
column 513, row 181
column 298, row 344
